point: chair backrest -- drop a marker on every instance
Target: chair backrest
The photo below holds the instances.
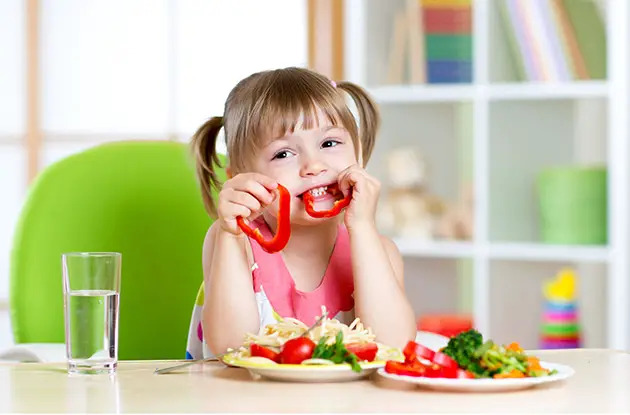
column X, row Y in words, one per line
column 139, row 198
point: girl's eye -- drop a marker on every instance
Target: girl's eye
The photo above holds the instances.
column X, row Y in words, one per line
column 330, row 143
column 281, row 155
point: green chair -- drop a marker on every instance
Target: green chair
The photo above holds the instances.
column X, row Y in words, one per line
column 139, row 198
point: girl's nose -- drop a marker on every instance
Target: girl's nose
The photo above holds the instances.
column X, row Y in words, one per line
column 313, row 167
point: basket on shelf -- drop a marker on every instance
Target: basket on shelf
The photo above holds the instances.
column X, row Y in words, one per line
column 572, row 205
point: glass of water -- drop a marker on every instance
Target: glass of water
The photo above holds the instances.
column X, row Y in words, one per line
column 91, row 288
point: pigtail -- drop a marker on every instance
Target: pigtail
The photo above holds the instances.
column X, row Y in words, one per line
column 369, row 118
column 204, row 147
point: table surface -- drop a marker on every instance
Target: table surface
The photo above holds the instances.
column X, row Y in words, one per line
column 601, row 384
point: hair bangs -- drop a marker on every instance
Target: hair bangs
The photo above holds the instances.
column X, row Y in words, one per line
column 286, row 107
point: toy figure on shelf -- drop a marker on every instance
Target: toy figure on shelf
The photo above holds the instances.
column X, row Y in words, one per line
column 408, row 208
column 457, row 220
column 560, row 328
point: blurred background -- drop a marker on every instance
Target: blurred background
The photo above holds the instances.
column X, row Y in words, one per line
column 503, row 151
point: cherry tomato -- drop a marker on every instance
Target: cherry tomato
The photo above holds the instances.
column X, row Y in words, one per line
column 297, row 350
column 262, row 351
column 364, row 351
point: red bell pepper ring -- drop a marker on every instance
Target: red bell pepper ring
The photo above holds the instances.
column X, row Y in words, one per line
column 283, row 231
column 444, row 361
column 442, row 365
column 262, row 351
column 464, row 374
column 405, row 369
column 334, row 211
column 364, row 351
column 414, row 351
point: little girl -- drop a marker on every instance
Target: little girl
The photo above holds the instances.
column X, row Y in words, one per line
column 292, row 129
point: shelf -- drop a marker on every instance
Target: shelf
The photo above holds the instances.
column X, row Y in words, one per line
column 548, row 252
column 434, row 249
column 423, row 93
column 411, row 247
column 533, row 91
column 494, row 92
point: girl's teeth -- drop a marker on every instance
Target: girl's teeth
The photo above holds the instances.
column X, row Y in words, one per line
column 318, row 191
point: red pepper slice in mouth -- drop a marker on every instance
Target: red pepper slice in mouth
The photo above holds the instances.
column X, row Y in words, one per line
column 283, row 231
column 334, row 211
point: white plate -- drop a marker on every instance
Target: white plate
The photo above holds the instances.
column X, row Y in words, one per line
column 484, row 385
column 306, row 373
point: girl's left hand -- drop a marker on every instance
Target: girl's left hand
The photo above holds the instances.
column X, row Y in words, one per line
column 365, row 192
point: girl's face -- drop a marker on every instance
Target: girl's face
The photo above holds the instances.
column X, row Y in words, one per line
column 308, row 160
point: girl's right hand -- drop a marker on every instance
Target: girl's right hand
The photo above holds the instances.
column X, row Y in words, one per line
column 246, row 195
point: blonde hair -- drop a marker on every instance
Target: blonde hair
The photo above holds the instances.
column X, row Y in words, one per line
column 269, row 104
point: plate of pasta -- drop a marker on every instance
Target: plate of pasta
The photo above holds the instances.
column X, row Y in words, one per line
column 330, row 352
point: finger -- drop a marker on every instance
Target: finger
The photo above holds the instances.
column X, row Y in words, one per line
column 236, row 210
column 244, row 199
column 232, row 227
column 266, row 181
column 258, row 190
column 347, row 180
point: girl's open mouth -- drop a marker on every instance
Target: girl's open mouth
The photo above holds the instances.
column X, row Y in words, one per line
column 330, row 192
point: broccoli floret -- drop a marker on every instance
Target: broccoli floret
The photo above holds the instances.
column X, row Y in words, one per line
column 462, row 349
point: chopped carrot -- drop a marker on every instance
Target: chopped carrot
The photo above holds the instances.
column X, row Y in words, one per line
column 533, row 363
column 514, row 373
column 514, row 346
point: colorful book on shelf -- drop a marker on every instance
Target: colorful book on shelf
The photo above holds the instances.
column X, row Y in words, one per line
column 448, row 40
column 590, row 32
column 397, row 49
column 522, row 56
column 568, row 40
column 407, row 47
column 449, row 72
column 442, row 20
column 447, row 4
column 555, row 40
column 417, row 52
column 535, row 28
column 449, row 47
column 552, row 34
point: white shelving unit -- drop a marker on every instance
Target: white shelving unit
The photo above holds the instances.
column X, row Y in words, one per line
column 514, row 129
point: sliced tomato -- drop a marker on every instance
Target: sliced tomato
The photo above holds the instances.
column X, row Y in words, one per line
column 405, row 369
column 297, row 350
column 414, row 350
column 445, row 361
column 363, row 351
column 262, row 351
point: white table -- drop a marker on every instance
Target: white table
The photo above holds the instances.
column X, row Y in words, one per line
column 601, row 384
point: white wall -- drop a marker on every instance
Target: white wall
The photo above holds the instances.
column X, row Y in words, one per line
column 128, row 69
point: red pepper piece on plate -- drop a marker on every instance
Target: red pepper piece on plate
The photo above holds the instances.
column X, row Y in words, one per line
column 262, row 351
column 363, row 351
column 283, row 232
column 405, row 369
column 464, row 374
column 445, row 361
column 414, row 351
column 334, row 211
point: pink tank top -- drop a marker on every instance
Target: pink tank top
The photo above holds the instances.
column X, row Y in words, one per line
column 335, row 290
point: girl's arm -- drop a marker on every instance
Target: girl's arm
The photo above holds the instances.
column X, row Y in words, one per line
column 379, row 293
column 230, row 308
